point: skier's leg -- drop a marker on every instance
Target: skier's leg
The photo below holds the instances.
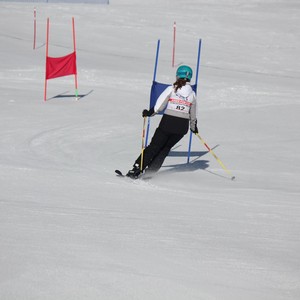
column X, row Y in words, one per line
column 158, row 141
column 158, row 160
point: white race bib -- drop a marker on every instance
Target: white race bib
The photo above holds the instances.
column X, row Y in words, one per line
column 177, row 104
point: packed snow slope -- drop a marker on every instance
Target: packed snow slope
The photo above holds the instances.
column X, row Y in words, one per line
column 71, row 229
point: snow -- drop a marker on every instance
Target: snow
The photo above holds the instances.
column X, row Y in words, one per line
column 71, row 229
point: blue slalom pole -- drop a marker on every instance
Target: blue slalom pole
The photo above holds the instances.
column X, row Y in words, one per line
column 154, row 78
column 156, row 60
column 196, row 82
column 198, row 61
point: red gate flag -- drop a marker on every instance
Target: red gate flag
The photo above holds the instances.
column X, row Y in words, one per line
column 61, row 66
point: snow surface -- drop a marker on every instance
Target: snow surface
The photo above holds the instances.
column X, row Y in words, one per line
column 71, row 229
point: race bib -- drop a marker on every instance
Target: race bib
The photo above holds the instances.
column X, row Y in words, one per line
column 181, row 105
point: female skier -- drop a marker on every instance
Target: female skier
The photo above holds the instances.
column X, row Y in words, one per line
column 179, row 102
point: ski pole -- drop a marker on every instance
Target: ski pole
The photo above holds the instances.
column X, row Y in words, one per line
column 143, row 143
column 215, row 156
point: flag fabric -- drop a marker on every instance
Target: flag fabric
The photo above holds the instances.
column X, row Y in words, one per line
column 156, row 90
column 61, row 66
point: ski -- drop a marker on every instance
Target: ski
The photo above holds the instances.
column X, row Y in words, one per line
column 141, row 177
column 119, row 173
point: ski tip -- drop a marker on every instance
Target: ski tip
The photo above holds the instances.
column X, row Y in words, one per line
column 118, row 172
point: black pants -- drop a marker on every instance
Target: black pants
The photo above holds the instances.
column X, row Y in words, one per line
column 156, row 152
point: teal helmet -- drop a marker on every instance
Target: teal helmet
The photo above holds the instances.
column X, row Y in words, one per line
column 184, row 72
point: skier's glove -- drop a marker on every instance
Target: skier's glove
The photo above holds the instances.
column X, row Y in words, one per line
column 195, row 129
column 148, row 113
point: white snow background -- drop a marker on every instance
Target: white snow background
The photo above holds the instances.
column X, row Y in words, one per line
column 71, row 229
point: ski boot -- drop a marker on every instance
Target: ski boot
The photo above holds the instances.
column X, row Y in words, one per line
column 134, row 172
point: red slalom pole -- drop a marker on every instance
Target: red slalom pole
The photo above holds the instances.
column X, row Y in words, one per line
column 34, row 28
column 174, row 42
column 74, row 44
column 47, row 43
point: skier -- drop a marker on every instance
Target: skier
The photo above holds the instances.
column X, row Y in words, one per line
column 179, row 102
